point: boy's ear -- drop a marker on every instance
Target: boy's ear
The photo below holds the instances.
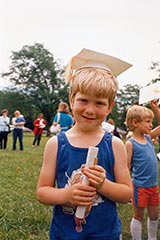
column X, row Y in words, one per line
column 134, row 122
column 70, row 100
column 110, row 107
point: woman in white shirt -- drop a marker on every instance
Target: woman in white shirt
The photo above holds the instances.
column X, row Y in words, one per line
column 4, row 128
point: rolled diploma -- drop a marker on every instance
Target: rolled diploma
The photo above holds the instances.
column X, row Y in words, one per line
column 92, row 154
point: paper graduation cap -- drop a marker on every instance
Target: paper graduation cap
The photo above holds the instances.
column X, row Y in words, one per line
column 149, row 93
column 89, row 58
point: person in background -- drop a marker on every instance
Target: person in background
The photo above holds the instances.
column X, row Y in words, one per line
column 142, row 162
column 4, row 128
column 107, row 126
column 157, row 113
column 115, row 131
column 18, row 122
column 39, row 125
column 92, row 92
column 65, row 118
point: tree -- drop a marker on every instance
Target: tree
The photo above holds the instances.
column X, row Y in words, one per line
column 13, row 100
column 36, row 73
column 155, row 66
column 127, row 96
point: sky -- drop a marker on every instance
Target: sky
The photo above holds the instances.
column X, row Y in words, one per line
column 125, row 29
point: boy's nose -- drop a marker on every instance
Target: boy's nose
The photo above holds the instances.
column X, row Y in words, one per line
column 90, row 108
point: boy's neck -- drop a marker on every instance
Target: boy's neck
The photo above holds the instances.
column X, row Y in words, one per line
column 139, row 137
column 79, row 138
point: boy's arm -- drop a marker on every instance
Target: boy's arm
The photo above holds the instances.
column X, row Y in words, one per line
column 129, row 150
column 154, row 105
column 156, row 131
column 47, row 192
column 121, row 189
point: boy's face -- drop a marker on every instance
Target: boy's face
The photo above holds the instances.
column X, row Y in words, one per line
column 145, row 126
column 89, row 111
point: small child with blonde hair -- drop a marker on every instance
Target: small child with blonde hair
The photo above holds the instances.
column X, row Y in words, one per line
column 92, row 92
column 142, row 162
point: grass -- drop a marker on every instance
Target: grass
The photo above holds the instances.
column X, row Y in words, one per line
column 22, row 217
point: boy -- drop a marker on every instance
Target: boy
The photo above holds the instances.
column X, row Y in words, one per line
column 143, row 164
column 93, row 89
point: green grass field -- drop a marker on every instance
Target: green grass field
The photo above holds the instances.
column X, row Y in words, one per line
column 22, row 217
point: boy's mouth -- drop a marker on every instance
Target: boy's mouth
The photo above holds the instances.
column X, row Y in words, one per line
column 88, row 118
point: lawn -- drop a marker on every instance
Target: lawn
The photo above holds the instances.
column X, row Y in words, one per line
column 22, row 217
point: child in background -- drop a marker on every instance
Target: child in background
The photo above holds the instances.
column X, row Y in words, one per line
column 93, row 88
column 142, row 162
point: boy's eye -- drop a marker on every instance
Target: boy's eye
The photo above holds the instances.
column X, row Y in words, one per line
column 83, row 100
column 101, row 103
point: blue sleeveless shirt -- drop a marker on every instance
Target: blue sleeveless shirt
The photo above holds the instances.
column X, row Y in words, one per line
column 144, row 164
column 102, row 222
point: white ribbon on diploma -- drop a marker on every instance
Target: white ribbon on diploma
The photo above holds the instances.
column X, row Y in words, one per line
column 149, row 93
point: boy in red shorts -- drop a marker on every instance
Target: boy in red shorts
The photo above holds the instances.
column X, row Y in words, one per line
column 142, row 162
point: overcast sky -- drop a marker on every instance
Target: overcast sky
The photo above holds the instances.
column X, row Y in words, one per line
column 127, row 29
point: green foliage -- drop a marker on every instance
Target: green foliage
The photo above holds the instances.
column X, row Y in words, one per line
column 12, row 99
column 35, row 72
column 156, row 67
column 126, row 97
column 21, row 215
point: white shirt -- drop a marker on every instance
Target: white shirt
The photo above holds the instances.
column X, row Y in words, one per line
column 107, row 126
column 4, row 121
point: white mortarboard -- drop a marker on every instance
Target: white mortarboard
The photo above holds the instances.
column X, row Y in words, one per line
column 149, row 93
column 90, row 58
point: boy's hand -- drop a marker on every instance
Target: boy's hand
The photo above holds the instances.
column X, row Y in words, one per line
column 80, row 194
column 96, row 175
column 154, row 104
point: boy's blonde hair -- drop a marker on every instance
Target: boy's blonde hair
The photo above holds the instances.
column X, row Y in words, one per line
column 139, row 113
column 94, row 81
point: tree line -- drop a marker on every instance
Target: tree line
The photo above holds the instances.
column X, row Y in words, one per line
column 39, row 86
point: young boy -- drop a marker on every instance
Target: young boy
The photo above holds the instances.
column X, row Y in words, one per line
column 93, row 89
column 142, row 162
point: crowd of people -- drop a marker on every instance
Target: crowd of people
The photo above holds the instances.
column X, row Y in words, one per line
column 123, row 172
column 18, row 121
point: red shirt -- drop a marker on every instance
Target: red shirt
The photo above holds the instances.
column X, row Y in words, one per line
column 39, row 124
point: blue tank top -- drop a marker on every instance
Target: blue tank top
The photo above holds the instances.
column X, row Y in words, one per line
column 65, row 122
column 144, row 164
column 102, row 222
